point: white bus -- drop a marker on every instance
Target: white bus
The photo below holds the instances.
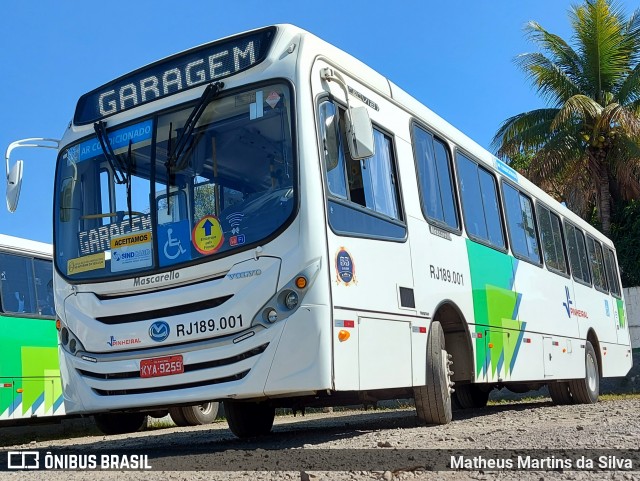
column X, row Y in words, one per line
column 267, row 221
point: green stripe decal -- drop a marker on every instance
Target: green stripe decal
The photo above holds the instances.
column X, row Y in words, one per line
column 495, row 306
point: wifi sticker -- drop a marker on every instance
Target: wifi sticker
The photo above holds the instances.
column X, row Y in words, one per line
column 234, row 221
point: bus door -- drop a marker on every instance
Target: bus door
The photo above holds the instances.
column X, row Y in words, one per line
column 368, row 250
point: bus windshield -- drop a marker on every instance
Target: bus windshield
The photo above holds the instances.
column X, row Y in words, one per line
column 146, row 208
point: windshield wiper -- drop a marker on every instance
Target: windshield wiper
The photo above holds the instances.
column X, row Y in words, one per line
column 119, row 170
column 174, row 158
column 210, row 92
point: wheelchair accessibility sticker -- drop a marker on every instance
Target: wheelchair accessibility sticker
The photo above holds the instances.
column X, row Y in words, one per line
column 174, row 243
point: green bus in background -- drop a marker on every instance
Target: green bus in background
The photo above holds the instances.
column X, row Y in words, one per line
column 30, row 385
column 29, row 369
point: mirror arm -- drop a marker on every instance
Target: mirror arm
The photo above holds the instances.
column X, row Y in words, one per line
column 331, row 75
column 31, row 142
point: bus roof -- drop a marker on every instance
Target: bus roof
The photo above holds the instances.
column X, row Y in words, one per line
column 25, row 246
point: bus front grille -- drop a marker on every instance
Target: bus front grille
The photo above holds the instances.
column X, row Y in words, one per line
column 172, row 387
column 187, row 368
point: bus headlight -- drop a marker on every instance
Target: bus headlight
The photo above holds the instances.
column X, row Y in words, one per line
column 291, row 300
column 288, row 299
column 69, row 341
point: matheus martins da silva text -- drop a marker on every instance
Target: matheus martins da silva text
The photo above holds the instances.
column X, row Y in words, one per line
column 547, row 462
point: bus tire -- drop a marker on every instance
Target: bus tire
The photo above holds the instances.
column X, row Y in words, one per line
column 586, row 391
column 433, row 400
column 470, row 396
column 249, row 419
column 120, row 423
column 560, row 393
column 204, row 413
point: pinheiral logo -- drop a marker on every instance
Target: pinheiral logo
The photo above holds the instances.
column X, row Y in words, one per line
column 159, row 331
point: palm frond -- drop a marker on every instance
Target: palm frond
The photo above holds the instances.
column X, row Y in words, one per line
column 603, row 46
column 528, row 130
column 549, row 78
column 580, row 107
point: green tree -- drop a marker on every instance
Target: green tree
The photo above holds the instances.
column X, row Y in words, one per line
column 588, row 138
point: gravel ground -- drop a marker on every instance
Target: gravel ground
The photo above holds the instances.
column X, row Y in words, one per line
column 381, row 444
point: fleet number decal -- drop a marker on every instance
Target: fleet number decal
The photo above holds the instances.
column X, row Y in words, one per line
column 446, row 275
column 210, row 325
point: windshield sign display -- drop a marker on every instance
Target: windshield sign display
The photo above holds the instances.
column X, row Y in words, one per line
column 176, row 74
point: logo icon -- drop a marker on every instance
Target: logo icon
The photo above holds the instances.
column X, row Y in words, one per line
column 567, row 304
column 23, row 460
column 159, row 331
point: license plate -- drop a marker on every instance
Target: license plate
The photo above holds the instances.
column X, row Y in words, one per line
column 161, row 366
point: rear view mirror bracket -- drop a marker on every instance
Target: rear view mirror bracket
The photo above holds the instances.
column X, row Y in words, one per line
column 359, row 129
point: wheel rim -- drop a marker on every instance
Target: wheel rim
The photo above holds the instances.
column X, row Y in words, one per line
column 205, row 408
column 592, row 375
column 445, row 369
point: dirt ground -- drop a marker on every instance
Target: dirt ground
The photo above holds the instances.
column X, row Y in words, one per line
column 540, row 440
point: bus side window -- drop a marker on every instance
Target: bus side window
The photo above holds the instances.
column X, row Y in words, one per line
column 594, row 250
column 478, row 190
column 611, row 269
column 520, row 224
column 551, row 239
column 435, row 179
column 333, row 152
column 18, row 286
column 577, row 254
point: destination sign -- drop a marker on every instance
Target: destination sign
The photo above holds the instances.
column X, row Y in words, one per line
column 178, row 73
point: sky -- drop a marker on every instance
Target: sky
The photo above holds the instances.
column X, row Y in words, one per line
column 456, row 57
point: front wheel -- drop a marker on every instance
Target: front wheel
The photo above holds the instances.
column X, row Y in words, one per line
column 433, row 400
column 120, row 423
column 248, row 419
column 587, row 390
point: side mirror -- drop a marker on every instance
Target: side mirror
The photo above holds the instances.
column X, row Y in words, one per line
column 14, row 183
column 359, row 133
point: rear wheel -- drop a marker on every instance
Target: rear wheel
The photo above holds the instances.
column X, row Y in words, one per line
column 120, row 423
column 204, row 413
column 560, row 393
column 470, row 396
column 248, row 419
column 433, row 401
column 587, row 390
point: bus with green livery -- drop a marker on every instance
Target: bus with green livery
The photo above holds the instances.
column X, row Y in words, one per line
column 267, row 221
column 30, row 383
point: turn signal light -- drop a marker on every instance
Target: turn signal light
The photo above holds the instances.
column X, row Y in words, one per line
column 301, row 282
column 490, row 345
column 58, row 324
column 343, row 335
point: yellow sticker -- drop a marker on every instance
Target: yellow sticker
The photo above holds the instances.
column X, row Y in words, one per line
column 86, row 263
column 131, row 239
column 207, row 236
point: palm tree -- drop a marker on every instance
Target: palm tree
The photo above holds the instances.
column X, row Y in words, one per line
column 588, row 138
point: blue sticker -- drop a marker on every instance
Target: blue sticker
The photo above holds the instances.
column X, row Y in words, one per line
column 174, row 243
column 606, row 308
column 345, row 269
column 118, row 139
column 506, row 170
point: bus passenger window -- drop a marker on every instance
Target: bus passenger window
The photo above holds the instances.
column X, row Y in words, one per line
column 551, row 239
column 596, row 261
column 577, row 254
column 612, row 272
column 435, row 179
column 522, row 229
column 480, row 202
column 18, row 286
